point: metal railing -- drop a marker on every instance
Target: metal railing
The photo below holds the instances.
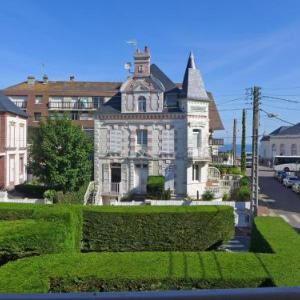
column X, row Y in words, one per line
column 115, row 188
column 90, row 189
column 292, row 293
column 20, row 104
column 71, row 105
column 216, row 142
column 199, row 153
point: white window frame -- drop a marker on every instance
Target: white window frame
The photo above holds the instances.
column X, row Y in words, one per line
column 142, row 104
column 142, row 137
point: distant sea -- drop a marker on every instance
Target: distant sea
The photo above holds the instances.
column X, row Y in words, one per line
column 228, row 147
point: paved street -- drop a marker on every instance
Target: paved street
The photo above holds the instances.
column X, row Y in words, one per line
column 275, row 199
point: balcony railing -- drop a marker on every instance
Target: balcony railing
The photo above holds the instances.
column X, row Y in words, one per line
column 113, row 188
column 69, row 105
column 216, row 142
column 199, row 154
column 20, row 104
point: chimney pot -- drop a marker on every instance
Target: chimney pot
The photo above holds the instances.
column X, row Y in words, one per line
column 45, row 79
column 30, row 79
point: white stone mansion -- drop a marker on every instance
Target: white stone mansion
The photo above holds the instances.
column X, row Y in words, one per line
column 155, row 127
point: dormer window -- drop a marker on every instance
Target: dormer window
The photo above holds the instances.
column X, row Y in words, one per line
column 142, row 104
column 140, row 69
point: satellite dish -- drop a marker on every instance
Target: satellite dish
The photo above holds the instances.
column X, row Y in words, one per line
column 127, row 66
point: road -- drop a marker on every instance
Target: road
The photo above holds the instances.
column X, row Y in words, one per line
column 275, row 199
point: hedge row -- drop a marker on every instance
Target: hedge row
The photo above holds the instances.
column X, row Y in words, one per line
column 157, row 228
column 132, row 271
column 31, row 190
column 117, row 271
column 27, row 230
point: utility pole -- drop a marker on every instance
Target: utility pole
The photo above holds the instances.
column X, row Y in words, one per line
column 234, row 142
column 256, row 94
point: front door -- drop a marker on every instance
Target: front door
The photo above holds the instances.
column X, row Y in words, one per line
column 141, row 175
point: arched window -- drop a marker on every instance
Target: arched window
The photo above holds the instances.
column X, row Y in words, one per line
column 140, row 69
column 142, row 104
column 294, row 149
column 282, row 149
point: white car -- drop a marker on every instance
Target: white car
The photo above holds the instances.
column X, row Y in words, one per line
column 290, row 180
column 296, row 187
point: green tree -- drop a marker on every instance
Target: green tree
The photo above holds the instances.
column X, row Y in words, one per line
column 60, row 155
column 243, row 143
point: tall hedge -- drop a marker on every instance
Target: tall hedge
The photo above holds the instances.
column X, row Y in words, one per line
column 27, row 230
column 155, row 187
column 156, row 228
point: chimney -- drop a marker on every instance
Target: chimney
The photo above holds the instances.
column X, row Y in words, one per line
column 72, row 78
column 30, row 80
column 142, row 63
column 45, row 79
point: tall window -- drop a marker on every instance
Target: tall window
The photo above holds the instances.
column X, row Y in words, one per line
column 282, row 149
column 140, row 69
column 142, row 104
column 21, row 165
column 142, row 137
column 196, row 172
column 273, row 149
column 196, row 138
column 294, row 149
column 11, row 134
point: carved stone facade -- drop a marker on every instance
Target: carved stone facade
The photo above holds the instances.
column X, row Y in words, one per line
column 147, row 135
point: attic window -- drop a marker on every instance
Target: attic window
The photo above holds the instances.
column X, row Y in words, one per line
column 142, row 104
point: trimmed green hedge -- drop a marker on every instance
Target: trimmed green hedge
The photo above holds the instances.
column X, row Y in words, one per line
column 156, row 228
column 31, row 190
column 155, row 187
column 133, row 271
column 276, row 264
column 27, row 230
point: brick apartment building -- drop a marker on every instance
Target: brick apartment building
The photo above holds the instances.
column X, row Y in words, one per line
column 80, row 99
column 13, row 145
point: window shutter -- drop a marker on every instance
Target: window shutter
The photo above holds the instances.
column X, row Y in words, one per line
column 115, row 137
column 168, row 141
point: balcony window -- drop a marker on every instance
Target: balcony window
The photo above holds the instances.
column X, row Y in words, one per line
column 142, row 104
column 38, row 99
column 142, row 137
column 196, row 138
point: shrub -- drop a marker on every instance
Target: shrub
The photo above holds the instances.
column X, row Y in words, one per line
column 50, row 195
column 244, row 181
column 76, row 197
column 156, row 228
column 208, row 195
column 31, row 190
column 243, row 193
column 155, row 186
column 166, row 195
column 225, row 197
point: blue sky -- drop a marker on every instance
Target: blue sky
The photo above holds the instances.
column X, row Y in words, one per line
column 236, row 44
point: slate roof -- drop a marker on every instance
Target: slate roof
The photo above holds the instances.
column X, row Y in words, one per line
column 291, row 130
column 6, row 105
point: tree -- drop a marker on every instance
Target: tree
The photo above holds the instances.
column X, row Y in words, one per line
column 243, row 143
column 60, row 155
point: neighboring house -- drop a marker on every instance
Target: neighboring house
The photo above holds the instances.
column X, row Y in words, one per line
column 13, row 145
column 285, row 140
column 155, row 127
column 80, row 99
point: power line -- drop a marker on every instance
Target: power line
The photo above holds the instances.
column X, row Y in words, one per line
column 283, row 99
column 271, row 115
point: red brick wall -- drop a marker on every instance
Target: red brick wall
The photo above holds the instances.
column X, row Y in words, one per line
column 2, row 172
column 2, row 131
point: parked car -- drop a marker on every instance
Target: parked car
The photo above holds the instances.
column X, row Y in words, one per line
column 282, row 175
column 288, row 181
column 296, row 187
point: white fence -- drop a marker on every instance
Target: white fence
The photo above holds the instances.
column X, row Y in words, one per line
column 241, row 209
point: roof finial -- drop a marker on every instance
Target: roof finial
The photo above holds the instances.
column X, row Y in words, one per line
column 191, row 61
